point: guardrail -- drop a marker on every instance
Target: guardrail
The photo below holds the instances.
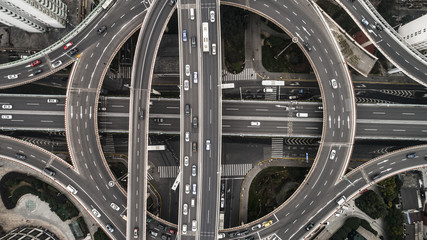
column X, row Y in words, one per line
column 391, row 29
column 61, row 41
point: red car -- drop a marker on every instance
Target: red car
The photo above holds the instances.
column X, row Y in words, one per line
column 68, row 45
column 35, row 63
column 172, row 231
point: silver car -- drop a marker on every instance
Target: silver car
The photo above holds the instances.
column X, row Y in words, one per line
column 185, row 209
column 187, row 70
column 186, row 160
column 187, row 84
column 194, row 171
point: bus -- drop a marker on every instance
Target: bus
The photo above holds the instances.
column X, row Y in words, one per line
column 205, row 37
column 107, row 4
column 272, row 83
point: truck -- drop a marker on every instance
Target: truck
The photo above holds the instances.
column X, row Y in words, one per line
column 340, row 201
column 302, row 115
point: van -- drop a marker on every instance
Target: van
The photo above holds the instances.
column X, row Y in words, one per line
column 208, row 145
column 195, row 77
column 302, row 115
column 194, row 225
column 193, row 42
column 71, row 189
column 191, row 13
column 193, row 202
column 194, row 189
column 340, row 201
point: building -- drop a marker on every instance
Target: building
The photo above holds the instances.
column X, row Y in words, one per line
column 415, row 33
column 33, row 15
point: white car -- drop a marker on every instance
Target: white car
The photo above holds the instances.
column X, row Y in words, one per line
column 12, row 76
column 195, row 77
column 194, row 225
column 187, row 70
column 114, row 206
column 213, row 49
column 332, row 155
column 96, row 213
column 255, row 124
column 186, row 85
column 56, row 64
column 184, row 228
column 187, row 188
column 334, row 83
column 6, row 106
column 6, row 117
column 187, row 136
column 185, row 209
column 208, row 145
column 52, row 100
column 212, row 14
column 186, row 161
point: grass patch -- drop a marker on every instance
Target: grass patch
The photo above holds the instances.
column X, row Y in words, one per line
column 233, row 26
column 271, row 187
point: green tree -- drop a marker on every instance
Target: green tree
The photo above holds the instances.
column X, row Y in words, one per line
column 394, row 220
column 389, row 189
column 372, row 204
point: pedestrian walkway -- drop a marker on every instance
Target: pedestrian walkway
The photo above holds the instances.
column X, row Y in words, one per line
column 277, row 148
column 246, row 74
column 168, row 171
column 271, row 95
column 229, row 170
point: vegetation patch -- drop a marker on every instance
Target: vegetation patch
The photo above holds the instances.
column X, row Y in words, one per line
column 100, row 235
column 14, row 185
column 372, row 204
column 233, row 26
column 271, row 187
column 350, row 225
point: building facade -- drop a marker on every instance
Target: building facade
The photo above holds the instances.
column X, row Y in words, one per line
column 33, row 15
column 415, row 33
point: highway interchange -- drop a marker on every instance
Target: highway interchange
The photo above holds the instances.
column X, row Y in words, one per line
column 81, row 113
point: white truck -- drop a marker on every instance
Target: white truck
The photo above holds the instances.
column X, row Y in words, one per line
column 340, row 201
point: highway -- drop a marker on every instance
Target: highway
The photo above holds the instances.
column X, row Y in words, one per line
column 389, row 45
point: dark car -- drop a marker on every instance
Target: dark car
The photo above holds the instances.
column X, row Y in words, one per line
column 38, row 71
column 72, row 52
column 101, row 30
column 165, row 237
column 187, row 109
column 20, row 156
column 378, row 27
column 194, row 147
column 375, row 176
column 309, row 226
column 161, row 227
column 49, row 171
column 141, row 114
column 411, row 155
column 250, row 238
column 307, row 46
column 195, row 122
column 158, row 120
column 171, row 3
column 243, row 233
column 232, row 234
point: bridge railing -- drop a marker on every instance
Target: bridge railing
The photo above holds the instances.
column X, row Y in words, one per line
column 61, row 41
column 391, row 29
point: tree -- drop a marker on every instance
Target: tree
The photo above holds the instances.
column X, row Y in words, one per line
column 394, row 220
column 372, row 204
column 389, row 188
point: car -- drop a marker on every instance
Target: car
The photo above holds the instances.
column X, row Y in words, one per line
column 221, row 235
column 334, row 83
column 194, row 189
column 187, row 70
column 158, row 120
column 222, row 202
column 267, row 223
column 186, row 85
column 193, row 170
column 71, row 189
column 12, row 76
column 20, row 156
column 136, row 232
column 364, row 22
column 186, row 161
column 187, row 188
column 8, row 116
column 148, row 219
column 378, row 27
column 243, row 233
column 184, row 228
column 72, row 52
column 38, row 71
column 101, row 30
column 165, row 237
column 255, row 123
column 411, row 155
column 194, row 146
column 338, row 213
column 153, row 233
column 375, row 176
column 212, row 16
column 6, row 106
column 187, row 109
column 193, row 42
column 185, row 209
column 332, row 155
column 56, row 64
column 161, row 227
column 309, row 226
column 195, row 77
column 68, row 45
column 114, row 206
column 141, row 114
column 171, row 3
column 191, row 13
column 213, row 49
column 172, row 231
column 35, row 63
column 233, row 234
column 250, row 238
column 195, row 122
column 293, row 97
column 208, row 145
column 193, row 202
column 307, row 46
column 109, row 228
column 194, row 225
column 96, row 213
column 52, row 100
column 256, row 227
column 184, row 35
column 49, row 172
column 187, row 136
